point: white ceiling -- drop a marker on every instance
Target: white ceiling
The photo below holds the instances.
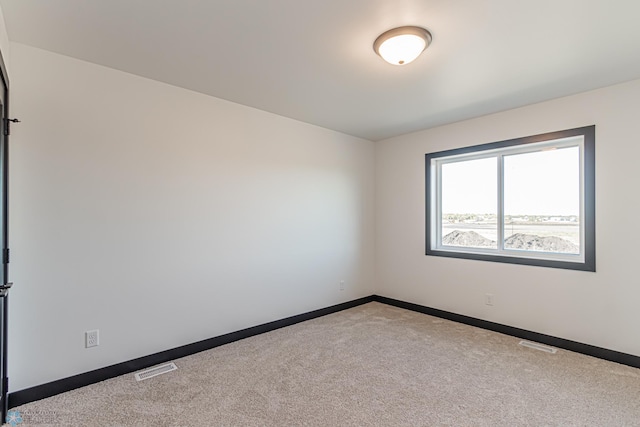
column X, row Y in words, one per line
column 312, row 60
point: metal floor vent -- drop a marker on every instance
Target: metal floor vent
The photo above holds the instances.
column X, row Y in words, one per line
column 537, row 346
column 155, row 371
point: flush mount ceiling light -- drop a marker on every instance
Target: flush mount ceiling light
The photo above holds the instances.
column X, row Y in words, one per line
column 402, row 45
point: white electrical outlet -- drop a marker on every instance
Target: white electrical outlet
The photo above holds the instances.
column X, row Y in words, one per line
column 342, row 285
column 488, row 299
column 92, row 338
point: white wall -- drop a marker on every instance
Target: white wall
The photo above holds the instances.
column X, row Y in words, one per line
column 162, row 217
column 4, row 44
column 595, row 308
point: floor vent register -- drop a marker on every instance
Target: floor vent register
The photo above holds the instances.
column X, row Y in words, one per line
column 155, row 371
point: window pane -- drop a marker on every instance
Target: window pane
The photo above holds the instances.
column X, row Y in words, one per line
column 542, row 201
column 469, row 203
column 534, row 196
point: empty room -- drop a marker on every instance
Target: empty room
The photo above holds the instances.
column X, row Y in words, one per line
column 319, row 213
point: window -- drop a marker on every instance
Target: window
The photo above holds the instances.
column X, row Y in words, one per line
column 525, row 201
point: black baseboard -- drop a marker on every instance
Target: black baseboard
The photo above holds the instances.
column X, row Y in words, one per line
column 32, row 394
column 589, row 350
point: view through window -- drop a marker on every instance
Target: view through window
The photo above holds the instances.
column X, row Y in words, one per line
column 527, row 201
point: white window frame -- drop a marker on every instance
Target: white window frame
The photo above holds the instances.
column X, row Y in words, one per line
column 583, row 138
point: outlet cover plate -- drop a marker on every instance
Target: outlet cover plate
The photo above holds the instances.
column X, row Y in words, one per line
column 92, row 338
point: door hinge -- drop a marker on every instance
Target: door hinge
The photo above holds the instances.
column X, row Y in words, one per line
column 4, row 289
column 7, row 123
column 5, row 256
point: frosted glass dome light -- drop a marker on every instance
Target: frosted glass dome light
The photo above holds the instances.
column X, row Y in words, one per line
column 402, row 45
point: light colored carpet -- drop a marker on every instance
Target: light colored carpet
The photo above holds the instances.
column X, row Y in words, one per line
column 373, row 365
